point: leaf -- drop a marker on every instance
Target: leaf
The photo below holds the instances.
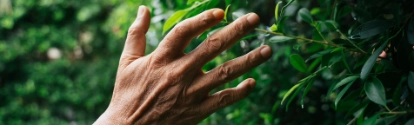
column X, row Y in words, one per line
column 319, row 54
column 284, row 7
column 370, row 29
column 305, row 15
column 410, row 122
column 375, row 91
column 308, row 87
column 293, row 96
column 298, row 63
column 410, row 32
column 343, row 91
column 273, row 28
column 371, row 120
column 277, row 11
column 278, row 39
column 346, row 80
column 290, row 92
column 411, row 80
column 366, row 69
column 225, row 12
column 175, row 18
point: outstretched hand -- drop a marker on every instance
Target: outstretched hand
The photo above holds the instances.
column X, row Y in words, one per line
column 168, row 85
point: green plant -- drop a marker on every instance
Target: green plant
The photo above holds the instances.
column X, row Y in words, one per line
column 343, row 41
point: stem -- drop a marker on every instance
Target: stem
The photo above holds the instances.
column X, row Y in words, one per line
column 398, row 113
column 308, row 40
column 350, row 41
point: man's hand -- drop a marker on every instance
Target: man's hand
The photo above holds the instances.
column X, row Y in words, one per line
column 168, row 85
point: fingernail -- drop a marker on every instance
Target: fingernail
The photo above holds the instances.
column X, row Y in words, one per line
column 218, row 14
column 266, row 51
column 252, row 18
column 141, row 10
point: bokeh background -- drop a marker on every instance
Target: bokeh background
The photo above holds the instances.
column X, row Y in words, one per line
column 58, row 61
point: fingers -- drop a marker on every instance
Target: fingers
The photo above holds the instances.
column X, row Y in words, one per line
column 228, row 96
column 135, row 42
column 223, row 39
column 180, row 36
column 230, row 70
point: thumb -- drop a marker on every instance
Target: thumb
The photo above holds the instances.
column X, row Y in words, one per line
column 135, row 42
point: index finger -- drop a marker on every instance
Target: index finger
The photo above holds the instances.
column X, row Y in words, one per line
column 180, row 36
column 223, row 39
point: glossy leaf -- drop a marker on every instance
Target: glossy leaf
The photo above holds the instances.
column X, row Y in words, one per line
column 174, row 19
column 284, row 7
column 298, row 63
column 226, row 12
column 305, row 15
column 370, row 29
column 366, row 69
column 278, row 39
column 375, row 91
column 305, row 92
column 371, row 120
column 342, row 93
column 346, row 80
column 293, row 96
column 290, row 92
column 410, row 122
column 410, row 32
column 277, row 11
column 411, row 80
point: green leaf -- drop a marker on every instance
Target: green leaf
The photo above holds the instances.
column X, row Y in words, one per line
column 308, row 87
column 370, row 29
column 371, row 120
column 290, row 92
column 366, row 69
column 293, row 96
column 280, row 24
column 284, row 7
column 305, row 15
column 225, row 12
column 411, row 80
column 346, row 80
column 278, row 39
column 277, row 11
column 343, row 91
column 298, row 63
column 410, row 122
column 410, row 32
column 174, row 19
column 319, row 54
column 273, row 27
column 375, row 91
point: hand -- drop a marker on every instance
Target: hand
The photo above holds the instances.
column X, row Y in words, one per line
column 168, row 85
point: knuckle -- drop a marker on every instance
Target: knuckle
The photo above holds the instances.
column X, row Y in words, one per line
column 250, row 59
column 225, row 98
column 181, row 27
column 215, row 44
column 224, row 73
column 133, row 30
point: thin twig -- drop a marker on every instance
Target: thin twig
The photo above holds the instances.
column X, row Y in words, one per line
column 350, row 41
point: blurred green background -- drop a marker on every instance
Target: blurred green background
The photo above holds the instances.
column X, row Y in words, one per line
column 58, row 61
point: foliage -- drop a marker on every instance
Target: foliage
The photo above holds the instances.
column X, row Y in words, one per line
column 59, row 59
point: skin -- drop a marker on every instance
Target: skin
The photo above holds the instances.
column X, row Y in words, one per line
column 168, row 85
